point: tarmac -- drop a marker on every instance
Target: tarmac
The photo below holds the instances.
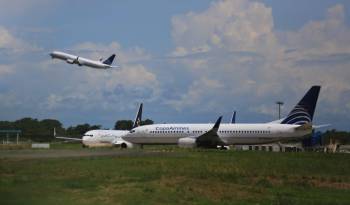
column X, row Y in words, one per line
column 69, row 153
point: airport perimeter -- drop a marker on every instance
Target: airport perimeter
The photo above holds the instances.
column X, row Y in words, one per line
column 169, row 175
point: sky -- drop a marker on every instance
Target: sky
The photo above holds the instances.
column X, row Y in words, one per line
column 187, row 61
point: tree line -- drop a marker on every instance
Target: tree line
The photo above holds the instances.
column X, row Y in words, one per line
column 42, row 130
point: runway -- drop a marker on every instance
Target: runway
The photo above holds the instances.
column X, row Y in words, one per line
column 68, row 153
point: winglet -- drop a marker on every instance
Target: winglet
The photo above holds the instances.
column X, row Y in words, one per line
column 217, row 124
column 138, row 118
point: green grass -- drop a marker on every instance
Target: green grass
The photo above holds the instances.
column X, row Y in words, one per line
column 179, row 177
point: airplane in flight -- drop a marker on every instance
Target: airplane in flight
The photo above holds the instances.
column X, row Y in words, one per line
column 106, row 138
column 296, row 125
column 72, row 59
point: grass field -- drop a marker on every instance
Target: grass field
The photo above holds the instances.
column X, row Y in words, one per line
column 177, row 176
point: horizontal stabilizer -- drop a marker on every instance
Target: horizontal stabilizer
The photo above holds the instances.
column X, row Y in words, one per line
column 320, row 126
column 307, row 126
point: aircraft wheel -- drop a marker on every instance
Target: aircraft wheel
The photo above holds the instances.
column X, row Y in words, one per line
column 123, row 146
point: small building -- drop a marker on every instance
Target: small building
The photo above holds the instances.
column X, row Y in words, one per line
column 274, row 147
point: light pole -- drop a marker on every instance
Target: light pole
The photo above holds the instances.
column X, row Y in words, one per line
column 279, row 103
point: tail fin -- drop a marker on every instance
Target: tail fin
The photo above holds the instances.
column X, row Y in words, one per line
column 303, row 112
column 109, row 60
column 233, row 119
column 138, row 118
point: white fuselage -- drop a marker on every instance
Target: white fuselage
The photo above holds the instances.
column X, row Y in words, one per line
column 229, row 133
column 103, row 138
column 72, row 59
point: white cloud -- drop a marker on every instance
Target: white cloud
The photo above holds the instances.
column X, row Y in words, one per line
column 98, row 50
column 19, row 7
column 5, row 70
column 231, row 25
column 254, row 62
column 10, row 44
column 198, row 91
column 328, row 36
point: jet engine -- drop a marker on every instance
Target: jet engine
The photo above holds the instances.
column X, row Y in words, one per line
column 70, row 61
column 187, row 142
column 123, row 144
column 79, row 61
column 126, row 145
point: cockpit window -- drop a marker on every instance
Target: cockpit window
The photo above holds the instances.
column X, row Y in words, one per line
column 132, row 131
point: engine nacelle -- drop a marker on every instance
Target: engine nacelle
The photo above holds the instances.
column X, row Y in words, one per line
column 79, row 61
column 187, row 142
column 70, row 61
column 124, row 144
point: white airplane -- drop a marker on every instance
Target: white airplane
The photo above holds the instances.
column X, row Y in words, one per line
column 296, row 125
column 106, row 138
column 72, row 59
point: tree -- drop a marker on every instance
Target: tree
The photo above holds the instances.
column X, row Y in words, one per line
column 48, row 125
column 127, row 124
column 81, row 129
column 147, row 122
column 123, row 125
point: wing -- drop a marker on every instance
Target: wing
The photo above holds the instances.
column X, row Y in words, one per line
column 69, row 138
column 211, row 138
column 114, row 66
column 65, row 138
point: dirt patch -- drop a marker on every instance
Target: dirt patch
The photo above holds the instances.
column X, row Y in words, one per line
column 328, row 184
column 214, row 190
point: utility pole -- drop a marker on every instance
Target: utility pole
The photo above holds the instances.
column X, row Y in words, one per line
column 279, row 103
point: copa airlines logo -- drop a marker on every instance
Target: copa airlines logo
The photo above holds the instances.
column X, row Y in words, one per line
column 299, row 116
column 172, row 128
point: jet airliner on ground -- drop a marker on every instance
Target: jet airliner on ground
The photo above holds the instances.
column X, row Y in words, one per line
column 72, row 59
column 103, row 138
column 296, row 125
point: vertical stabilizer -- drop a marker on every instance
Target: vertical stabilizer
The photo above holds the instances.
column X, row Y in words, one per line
column 233, row 119
column 138, row 118
column 109, row 60
column 303, row 112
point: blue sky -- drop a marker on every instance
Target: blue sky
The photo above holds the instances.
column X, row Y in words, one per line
column 188, row 61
